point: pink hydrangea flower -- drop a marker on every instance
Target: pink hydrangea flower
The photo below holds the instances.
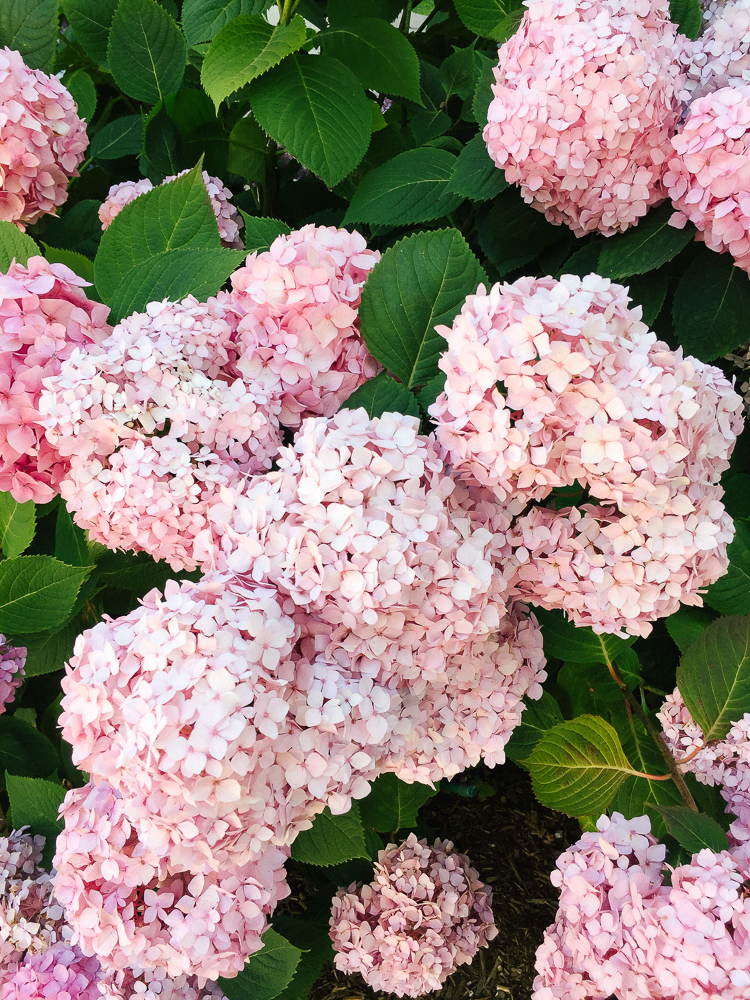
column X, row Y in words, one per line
column 585, row 105
column 152, row 425
column 155, row 984
column 12, row 661
column 42, row 138
column 297, row 304
column 228, row 218
column 44, row 316
column 425, row 913
column 709, row 177
column 60, row 973
column 720, row 56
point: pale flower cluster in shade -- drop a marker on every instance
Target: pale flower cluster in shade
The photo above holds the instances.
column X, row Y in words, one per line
column 12, row 661
column 42, row 138
column 720, row 56
column 585, row 103
column 425, row 913
column 228, row 218
column 621, row 932
column 549, row 383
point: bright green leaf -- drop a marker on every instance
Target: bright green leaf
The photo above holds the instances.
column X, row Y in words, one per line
column 730, row 595
column 203, row 19
column 577, row 644
column 711, row 306
column 30, row 27
column 693, row 830
column 35, row 803
column 646, row 246
column 15, row 245
column 47, row 651
column 686, row 624
column 332, row 839
column 146, row 53
column 259, row 233
column 267, row 972
column 122, row 137
column 81, row 88
column 392, row 804
column 383, row 394
column 24, row 751
column 17, row 525
column 495, row 19
column 475, row 175
column 538, row 717
column 37, row 593
column 91, row 21
column 379, row 55
column 687, row 15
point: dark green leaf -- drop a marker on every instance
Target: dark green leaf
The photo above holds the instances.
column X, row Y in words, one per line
column 495, row 19
column 315, row 944
column 37, row 593
column 15, row 245
column 430, row 392
column 591, row 690
column 646, row 246
column 736, row 497
column 512, row 232
column 686, row 14
column 24, row 751
column 203, row 19
column 641, row 795
column 332, row 839
column 730, row 595
column 47, row 651
column 81, row 88
column 379, row 55
column 135, row 572
column 709, row 800
column 483, row 94
column 248, row 150
column 35, row 803
column 345, row 10
column 687, row 624
column 30, row 27
column 577, row 644
column 146, row 52
column 260, row 233
column 693, row 830
column 383, row 394
column 71, row 544
column 266, row 973
column 17, row 525
column 649, row 291
column 122, row 137
column 419, row 283
column 428, row 125
column 392, row 804
column 91, row 21
column 584, row 261
column 79, row 229
column 711, row 306
column 538, row 717
column 163, row 144
column 475, row 175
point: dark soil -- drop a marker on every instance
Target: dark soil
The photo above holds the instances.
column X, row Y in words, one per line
column 513, row 842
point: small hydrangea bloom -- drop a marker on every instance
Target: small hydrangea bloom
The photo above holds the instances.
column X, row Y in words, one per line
column 119, row 196
column 297, row 305
column 720, row 56
column 155, row 984
column 425, row 913
column 584, row 107
column 12, row 661
column 60, row 973
column 42, row 138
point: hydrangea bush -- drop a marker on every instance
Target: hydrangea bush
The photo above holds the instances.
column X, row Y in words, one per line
column 371, row 408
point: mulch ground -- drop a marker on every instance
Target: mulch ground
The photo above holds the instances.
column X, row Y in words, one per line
column 513, row 842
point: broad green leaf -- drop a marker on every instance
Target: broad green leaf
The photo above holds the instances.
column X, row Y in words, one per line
column 578, row 767
column 163, row 144
column 345, row 10
column 17, row 525
column 30, row 27
column 584, row 261
column 71, row 543
column 15, row 245
column 641, row 795
column 315, row 943
column 577, row 644
column 418, row 284
column 687, row 624
column 146, row 52
column 410, row 188
column 714, row 676
column 82, row 266
column 332, row 839
column 379, row 55
column 91, row 21
column 428, row 125
column 246, row 48
column 248, row 150
column 483, row 94
column 316, row 108
column 591, row 690
column 687, row 15
column 81, row 88
column 383, row 394
column 693, row 830
column 392, row 804
column 47, row 651
column 730, row 595
column 79, row 229
column 538, row 717
column 203, row 19
column 267, row 972
column 495, row 19
column 711, row 306
column 136, row 572
column 35, row 803
column 430, row 392
column 259, row 233
column 709, row 800
column 24, row 751
column 475, row 175
column 736, row 497
column 512, row 232
column 646, row 246
column 122, row 137
column 37, row 593
column 649, row 291
column 460, row 71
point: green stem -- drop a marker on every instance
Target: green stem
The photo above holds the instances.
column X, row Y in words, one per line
column 286, row 10
column 406, row 17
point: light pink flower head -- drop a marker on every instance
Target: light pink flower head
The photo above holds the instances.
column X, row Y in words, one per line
column 12, row 661
column 584, row 109
column 720, row 56
column 44, row 316
column 709, row 177
column 60, row 973
column 155, row 984
column 297, row 304
column 119, row 196
column 425, row 913
column 42, row 139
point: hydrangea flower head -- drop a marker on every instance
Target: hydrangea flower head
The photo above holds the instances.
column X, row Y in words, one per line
column 42, row 137
column 585, row 105
column 720, row 56
column 60, row 973
column 425, row 913
column 12, row 661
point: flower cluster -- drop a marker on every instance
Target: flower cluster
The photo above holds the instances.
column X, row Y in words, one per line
column 228, row 218
column 585, row 105
column 44, row 316
column 43, row 141
column 619, row 931
column 425, row 913
column 549, row 383
column 12, row 662
column 720, row 56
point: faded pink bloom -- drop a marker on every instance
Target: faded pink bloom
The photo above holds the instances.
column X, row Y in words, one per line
column 119, row 196
column 425, row 913
column 155, row 984
column 42, row 141
column 720, row 56
column 60, row 973
column 12, row 660
column 585, row 105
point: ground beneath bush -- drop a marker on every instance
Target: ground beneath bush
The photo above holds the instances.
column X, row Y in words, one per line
column 513, row 842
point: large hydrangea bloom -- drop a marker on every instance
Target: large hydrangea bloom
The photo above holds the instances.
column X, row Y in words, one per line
column 42, row 138
column 44, row 316
column 585, row 105
column 720, row 56
column 60, row 973
column 12, row 662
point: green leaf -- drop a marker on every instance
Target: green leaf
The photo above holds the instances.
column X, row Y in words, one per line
column 578, row 644
column 246, row 48
column 30, row 27
column 332, row 839
column 163, row 144
column 71, row 543
column 81, row 265
column 24, row 751
column 315, row 943
column 495, row 19
column 538, row 717
column 649, row 291
column 47, row 651
column 316, row 108
column 591, row 690
column 383, row 394
column 693, row 830
column 412, row 187
column 260, row 233
column 578, row 767
column 687, row 15
column 379, row 55
column 512, row 232
column 81, row 88
column 35, row 803
column 248, row 150
column 426, row 126
column 136, row 572
column 730, row 595
column 460, row 71
column 736, row 497
column 714, row 676
column 687, row 624
column 475, row 175
column 418, row 284
column 430, row 392
column 17, row 525
column 646, row 246
column 15, row 245
column 203, row 19
column 392, row 804
column 710, row 306
column 483, row 94
column 79, row 229
column 37, row 593
column 267, row 972
column 146, row 53
column 345, row 10
column 91, row 21
column 122, row 137
column 641, row 795
column 584, row 261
